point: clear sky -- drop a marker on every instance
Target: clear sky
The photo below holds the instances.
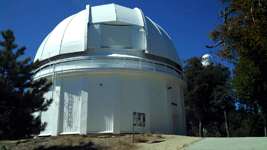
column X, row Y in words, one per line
column 188, row 22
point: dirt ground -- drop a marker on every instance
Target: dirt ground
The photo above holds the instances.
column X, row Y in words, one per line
column 103, row 142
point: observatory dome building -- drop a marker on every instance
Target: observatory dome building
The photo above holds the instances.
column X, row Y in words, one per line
column 206, row 60
column 106, row 62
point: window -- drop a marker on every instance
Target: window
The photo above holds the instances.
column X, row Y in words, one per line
column 116, row 36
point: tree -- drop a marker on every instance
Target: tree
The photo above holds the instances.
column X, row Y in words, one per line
column 202, row 85
column 242, row 40
column 17, row 103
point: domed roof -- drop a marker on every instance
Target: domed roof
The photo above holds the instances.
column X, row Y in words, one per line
column 206, row 59
column 108, row 27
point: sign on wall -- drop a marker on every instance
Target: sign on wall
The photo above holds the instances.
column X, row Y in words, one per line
column 139, row 119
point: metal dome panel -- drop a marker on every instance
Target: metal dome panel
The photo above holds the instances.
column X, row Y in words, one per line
column 53, row 43
column 41, row 48
column 172, row 52
column 103, row 13
column 83, row 32
column 127, row 15
column 155, row 41
column 73, row 38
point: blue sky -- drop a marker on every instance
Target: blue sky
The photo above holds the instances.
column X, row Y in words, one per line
column 188, row 22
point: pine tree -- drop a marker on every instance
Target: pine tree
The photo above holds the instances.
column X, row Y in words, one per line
column 242, row 40
column 203, row 87
column 21, row 97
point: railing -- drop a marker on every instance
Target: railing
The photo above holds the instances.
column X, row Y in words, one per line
column 86, row 62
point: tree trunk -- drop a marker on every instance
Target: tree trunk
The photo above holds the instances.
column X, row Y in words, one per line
column 256, row 119
column 200, row 128
column 226, row 123
column 264, row 119
column 265, row 125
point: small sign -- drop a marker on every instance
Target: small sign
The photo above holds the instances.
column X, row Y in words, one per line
column 139, row 119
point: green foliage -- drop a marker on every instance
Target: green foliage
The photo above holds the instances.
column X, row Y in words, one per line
column 206, row 88
column 244, row 123
column 17, row 103
column 244, row 37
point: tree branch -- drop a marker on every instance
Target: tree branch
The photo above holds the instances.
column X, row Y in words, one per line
column 214, row 45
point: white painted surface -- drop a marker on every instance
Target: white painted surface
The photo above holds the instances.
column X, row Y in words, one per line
column 132, row 99
column 70, row 115
column 72, row 34
column 86, row 25
column 116, row 105
column 84, row 104
column 51, row 115
column 104, row 102
column 103, row 13
column 171, row 50
column 41, row 48
column 176, row 110
column 100, row 104
column 53, row 43
column 73, row 37
column 56, row 107
column 129, row 82
column 206, row 60
column 157, row 105
column 128, row 16
column 46, row 116
column 183, row 112
column 155, row 41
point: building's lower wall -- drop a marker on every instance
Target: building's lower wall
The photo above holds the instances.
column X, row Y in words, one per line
column 100, row 104
column 47, row 115
column 70, row 104
column 104, row 103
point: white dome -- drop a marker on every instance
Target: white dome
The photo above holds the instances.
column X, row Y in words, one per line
column 206, row 59
column 106, row 62
column 109, row 29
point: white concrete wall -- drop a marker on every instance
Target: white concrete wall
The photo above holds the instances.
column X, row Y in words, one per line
column 70, row 104
column 177, row 112
column 184, row 132
column 133, row 98
column 84, row 104
column 100, row 104
column 116, row 105
column 158, row 106
column 46, row 115
column 51, row 116
column 177, row 120
column 104, row 103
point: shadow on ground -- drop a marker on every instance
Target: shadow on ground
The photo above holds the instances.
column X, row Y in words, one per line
column 88, row 146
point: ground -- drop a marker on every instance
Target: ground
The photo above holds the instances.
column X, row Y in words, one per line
column 103, row 141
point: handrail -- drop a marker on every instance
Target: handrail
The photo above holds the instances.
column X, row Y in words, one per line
column 109, row 58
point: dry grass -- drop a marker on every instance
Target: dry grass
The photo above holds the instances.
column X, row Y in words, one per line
column 140, row 138
column 148, row 134
column 159, row 135
column 86, row 142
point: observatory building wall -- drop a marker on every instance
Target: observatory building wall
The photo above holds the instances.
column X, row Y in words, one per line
column 104, row 103
column 106, row 62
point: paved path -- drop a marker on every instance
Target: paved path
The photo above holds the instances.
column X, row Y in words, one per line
column 246, row 143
